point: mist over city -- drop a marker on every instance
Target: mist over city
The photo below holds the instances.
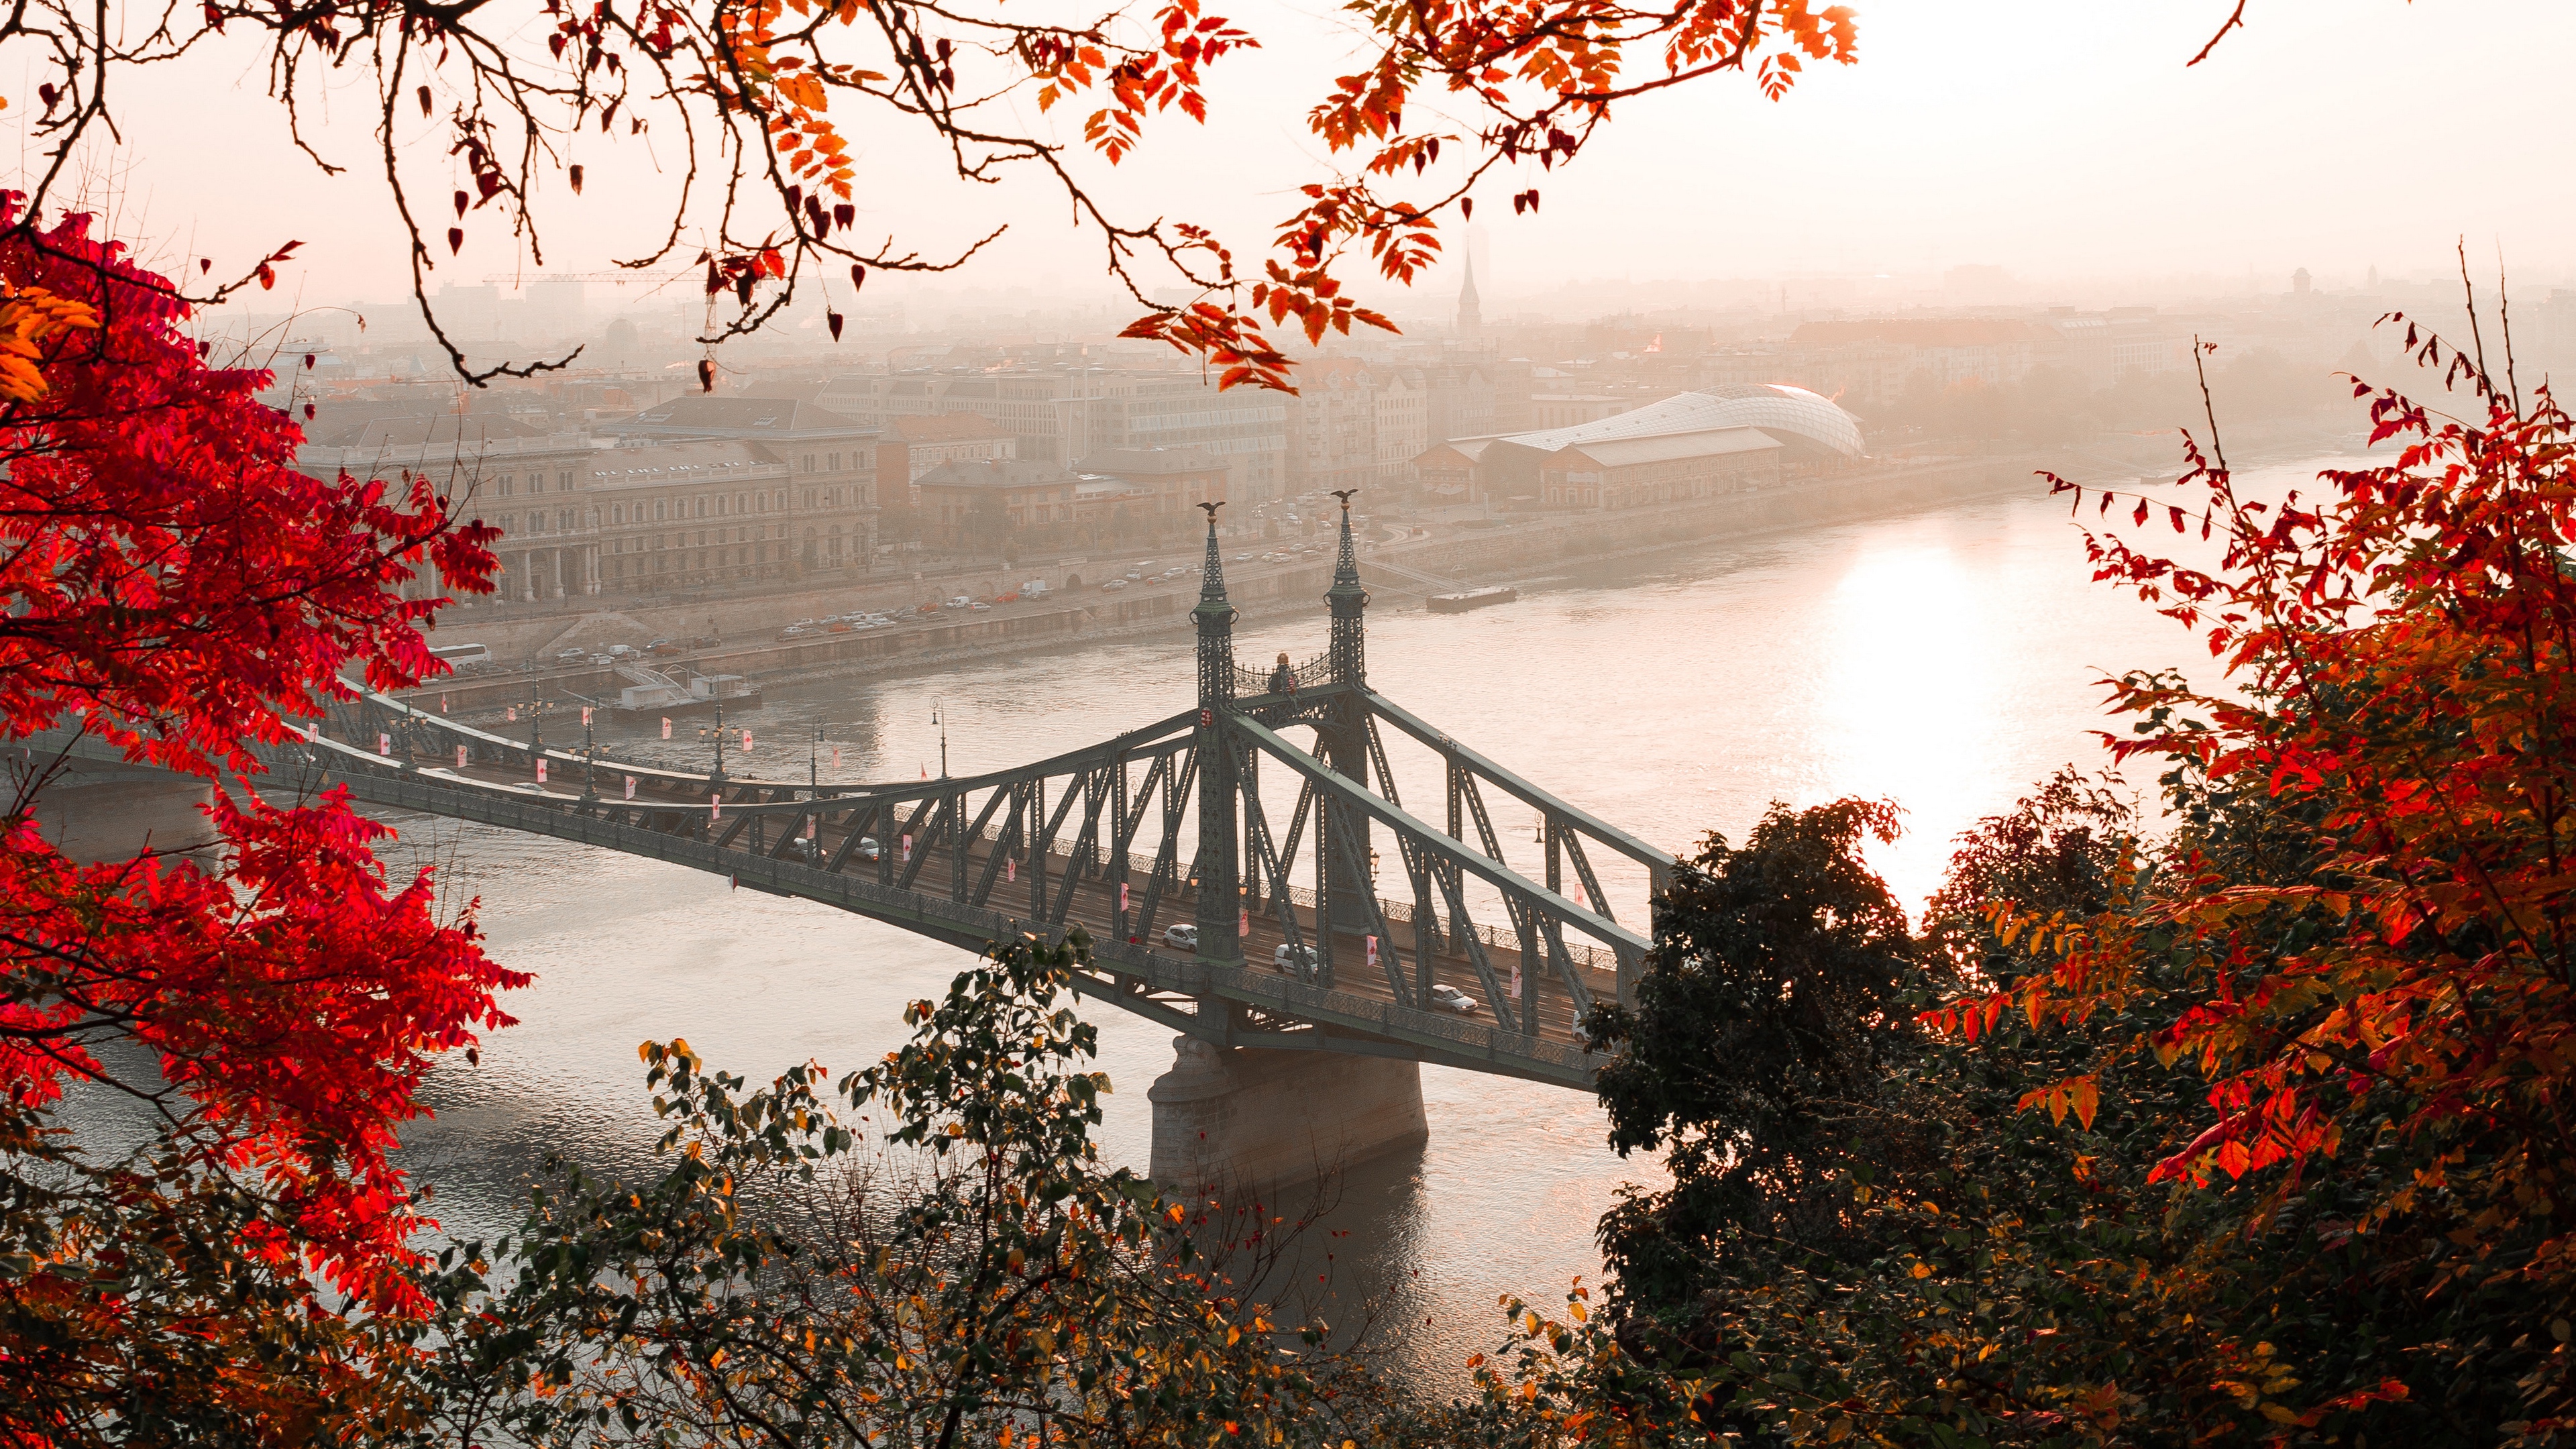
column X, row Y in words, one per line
column 1464, row 724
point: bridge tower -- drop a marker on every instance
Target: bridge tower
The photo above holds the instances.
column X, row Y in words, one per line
column 1217, row 871
column 1342, row 839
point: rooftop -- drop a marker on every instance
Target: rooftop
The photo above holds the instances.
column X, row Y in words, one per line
column 766, row 416
column 1152, row 462
column 1671, row 447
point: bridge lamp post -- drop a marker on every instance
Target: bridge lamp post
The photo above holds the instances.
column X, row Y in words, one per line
column 718, row 777
column 589, row 758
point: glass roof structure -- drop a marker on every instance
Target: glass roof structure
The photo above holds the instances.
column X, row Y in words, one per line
column 1791, row 414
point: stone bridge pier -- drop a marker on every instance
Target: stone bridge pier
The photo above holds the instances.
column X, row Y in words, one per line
column 1235, row 1120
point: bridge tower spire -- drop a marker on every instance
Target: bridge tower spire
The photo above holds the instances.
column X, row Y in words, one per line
column 1350, row 607
column 1343, row 850
column 1218, row 870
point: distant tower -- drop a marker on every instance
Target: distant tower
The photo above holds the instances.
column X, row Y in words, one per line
column 1471, row 318
column 2299, row 281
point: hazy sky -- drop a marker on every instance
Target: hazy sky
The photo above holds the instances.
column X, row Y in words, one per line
column 2067, row 143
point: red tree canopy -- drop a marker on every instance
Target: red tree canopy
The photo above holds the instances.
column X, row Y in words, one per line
column 174, row 587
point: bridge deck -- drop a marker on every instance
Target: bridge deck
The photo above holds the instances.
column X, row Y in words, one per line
column 1095, row 900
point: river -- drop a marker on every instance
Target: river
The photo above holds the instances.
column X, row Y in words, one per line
column 1944, row 660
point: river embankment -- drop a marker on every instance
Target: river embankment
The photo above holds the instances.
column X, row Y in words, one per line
column 1453, row 552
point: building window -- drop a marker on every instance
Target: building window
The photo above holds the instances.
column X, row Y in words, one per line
column 505, row 485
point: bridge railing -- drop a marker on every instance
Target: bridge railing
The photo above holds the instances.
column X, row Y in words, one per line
column 1317, row 670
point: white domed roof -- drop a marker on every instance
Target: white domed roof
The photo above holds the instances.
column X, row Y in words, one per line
column 1785, row 412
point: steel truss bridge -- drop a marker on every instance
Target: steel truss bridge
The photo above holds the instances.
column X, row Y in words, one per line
column 1160, row 826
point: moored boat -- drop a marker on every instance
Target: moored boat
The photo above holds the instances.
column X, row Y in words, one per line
column 1472, row 599
column 652, row 692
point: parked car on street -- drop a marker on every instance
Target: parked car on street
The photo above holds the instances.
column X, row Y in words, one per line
column 1113, row 586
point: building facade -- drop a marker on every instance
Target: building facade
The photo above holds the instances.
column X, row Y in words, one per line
column 1063, row 411
column 686, row 514
column 1171, row 481
column 1332, row 426
column 533, row 485
column 831, row 464
column 991, row 503
column 1402, row 405
column 1620, row 473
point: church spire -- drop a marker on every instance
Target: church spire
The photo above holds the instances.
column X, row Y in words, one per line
column 1471, row 317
